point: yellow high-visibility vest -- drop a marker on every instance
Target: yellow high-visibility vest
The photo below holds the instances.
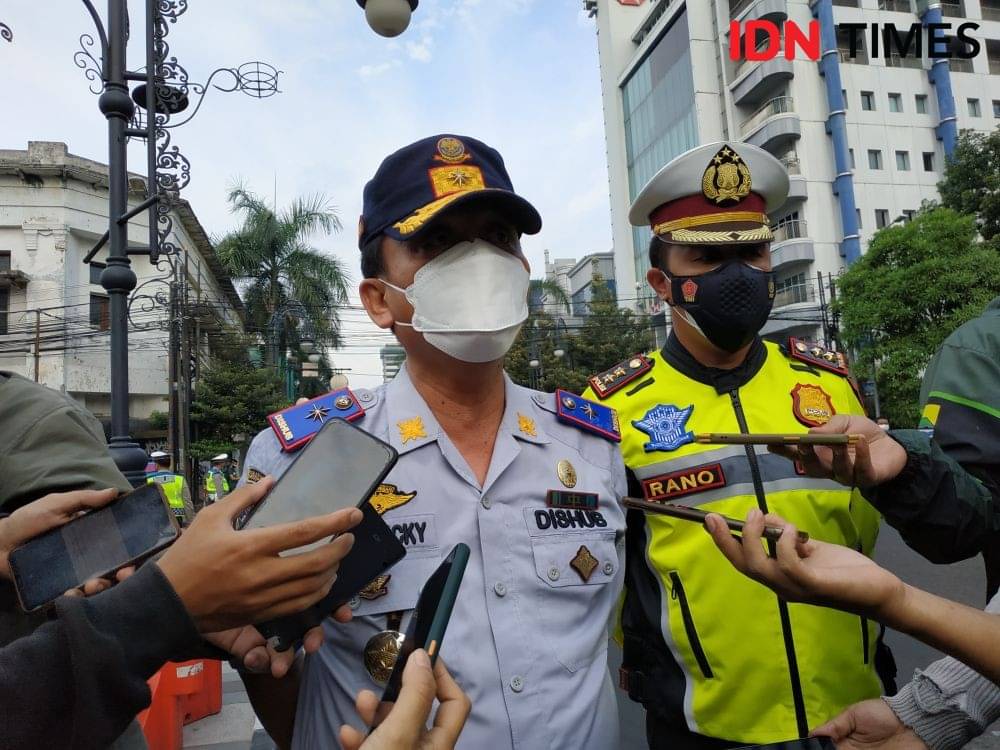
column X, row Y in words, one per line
column 173, row 488
column 708, row 648
column 210, row 482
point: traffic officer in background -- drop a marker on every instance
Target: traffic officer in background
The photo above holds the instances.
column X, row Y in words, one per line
column 529, row 481
column 719, row 660
column 216, row 483
column 174, row 487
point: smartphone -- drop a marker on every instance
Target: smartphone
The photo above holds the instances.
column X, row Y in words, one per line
column 429, row 621
column 738, row 438
column 698, row 516
column 809, row 743
column 94, row 545
column 340, row 468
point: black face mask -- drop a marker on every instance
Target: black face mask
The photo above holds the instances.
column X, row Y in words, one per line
column 730, row 304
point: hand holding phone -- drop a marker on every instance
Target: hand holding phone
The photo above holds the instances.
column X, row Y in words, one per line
column 698, row 516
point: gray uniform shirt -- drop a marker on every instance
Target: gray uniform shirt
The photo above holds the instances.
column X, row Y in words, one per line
column 527, row 640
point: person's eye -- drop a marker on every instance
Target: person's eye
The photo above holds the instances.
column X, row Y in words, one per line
column 503, row 236
column 436, row 242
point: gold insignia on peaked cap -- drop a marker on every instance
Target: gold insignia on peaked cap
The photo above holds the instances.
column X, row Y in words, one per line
column 411, row 429
column 387, row 496
column 451, row 151
column 727, row 179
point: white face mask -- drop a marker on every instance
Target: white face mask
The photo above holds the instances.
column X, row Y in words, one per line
column 470, row 301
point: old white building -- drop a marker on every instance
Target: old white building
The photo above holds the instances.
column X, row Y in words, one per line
column 861, row 155
column 53, row 311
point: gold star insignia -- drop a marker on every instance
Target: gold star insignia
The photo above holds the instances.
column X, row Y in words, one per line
column 717, row 159
column 526, row 425
column 318, row 413
column 411, row 429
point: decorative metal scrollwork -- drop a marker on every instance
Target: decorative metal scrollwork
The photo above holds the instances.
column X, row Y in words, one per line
column 92, row 69
column 5, row 33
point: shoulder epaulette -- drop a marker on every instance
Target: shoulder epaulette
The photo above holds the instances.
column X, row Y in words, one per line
column 296, row 425
column 818, row 356
column 588, row 416
column 616, row 378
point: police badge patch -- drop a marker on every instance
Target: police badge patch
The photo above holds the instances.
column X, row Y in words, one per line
column 666, row 425
column 811, row 405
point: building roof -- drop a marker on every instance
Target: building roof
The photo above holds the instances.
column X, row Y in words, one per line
column 52, row 159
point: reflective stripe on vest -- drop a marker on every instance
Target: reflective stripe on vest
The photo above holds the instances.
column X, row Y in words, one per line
column 722, row 630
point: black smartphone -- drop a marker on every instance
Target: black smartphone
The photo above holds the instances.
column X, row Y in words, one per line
column 429, row 621
column 341, row 467
column 739, row 438
column 94, row 545
column 810, row 743
column 698, row 516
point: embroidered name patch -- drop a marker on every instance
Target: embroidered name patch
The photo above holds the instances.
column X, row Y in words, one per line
column 684, row 482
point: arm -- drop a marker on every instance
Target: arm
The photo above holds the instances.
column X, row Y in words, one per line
column 188, row 505
column 834, row 576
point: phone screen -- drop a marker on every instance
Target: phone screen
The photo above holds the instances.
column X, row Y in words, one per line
column 92, row 545
column 336, row 470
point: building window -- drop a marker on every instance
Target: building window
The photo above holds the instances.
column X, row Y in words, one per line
column 996, row 108
column 4, row 309
column 843, row 95
column 909, row 213
column 860, row 223
column 100, row 312
column 4, row 260
column 850, row 152
column 903, row 161
column 874, row 158
column 790, row 290
column 95, row 272
column 895, row 102
column 974, row 108
column 881, row 218
column 868, row 101
column 921, row 104
column 928, row 161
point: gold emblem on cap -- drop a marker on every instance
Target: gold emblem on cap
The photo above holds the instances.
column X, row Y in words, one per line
column 452, row 151
column 381, row 653
column 566, row 474
column 584, row 563
column 526, row 425
column 727, row 180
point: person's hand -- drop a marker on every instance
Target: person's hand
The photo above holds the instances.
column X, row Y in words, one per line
column 97, row 585
column 813, row 572
column 869, row 725
column 47, row 513
column 873, row 460
column 228, row 578
column 405, row 726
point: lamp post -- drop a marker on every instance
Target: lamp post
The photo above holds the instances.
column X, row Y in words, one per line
column 388, row 17
column 296, row 311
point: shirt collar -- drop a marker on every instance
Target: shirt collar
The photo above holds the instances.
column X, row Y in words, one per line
column 522, row 418
column 723, row 381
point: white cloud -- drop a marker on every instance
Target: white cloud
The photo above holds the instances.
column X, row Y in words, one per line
column 420, row 51
column 369, row 71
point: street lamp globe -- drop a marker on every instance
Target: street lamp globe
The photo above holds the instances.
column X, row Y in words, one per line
column 558, row 353
column 388, row 17
column 534, row 363
column 307, row 345
column 314, row 358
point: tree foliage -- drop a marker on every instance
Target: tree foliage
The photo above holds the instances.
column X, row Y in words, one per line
column 971, row 183
column 232, row 400
column 606, row 336
column 915, row 285
column 271, row 255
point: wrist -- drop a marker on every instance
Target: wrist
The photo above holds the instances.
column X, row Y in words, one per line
column 896, row 608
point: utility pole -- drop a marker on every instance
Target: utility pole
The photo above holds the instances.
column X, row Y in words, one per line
column 38, row 340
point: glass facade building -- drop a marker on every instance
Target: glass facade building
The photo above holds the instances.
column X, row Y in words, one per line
column 660, row 120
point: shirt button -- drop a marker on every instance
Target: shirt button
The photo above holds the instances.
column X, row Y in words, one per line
column 608, row 569
column 553, row 573
column 486, row 503
column 500, row 589
column 355, row 602
column 517, row 683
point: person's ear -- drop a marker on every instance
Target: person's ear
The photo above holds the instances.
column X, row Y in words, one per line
column 373, row 293
column 661, row 285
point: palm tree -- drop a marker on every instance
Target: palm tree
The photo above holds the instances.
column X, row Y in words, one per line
column 271, row 255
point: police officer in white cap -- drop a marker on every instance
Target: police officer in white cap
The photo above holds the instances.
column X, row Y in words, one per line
column 174, row 487
column 717, row 660
column 216, row 484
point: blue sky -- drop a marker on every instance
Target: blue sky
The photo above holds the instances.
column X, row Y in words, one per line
column 521, row 75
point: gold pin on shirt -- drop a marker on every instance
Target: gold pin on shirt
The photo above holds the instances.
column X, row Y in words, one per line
column 566, row 474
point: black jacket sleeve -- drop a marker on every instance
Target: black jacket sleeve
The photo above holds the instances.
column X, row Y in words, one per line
column 78, row 681
column 941, row 510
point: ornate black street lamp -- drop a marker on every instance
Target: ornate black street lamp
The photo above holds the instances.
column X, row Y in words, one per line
column 388, row 17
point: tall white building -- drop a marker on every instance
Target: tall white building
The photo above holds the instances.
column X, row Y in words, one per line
column 54, row 314
column 862, row 154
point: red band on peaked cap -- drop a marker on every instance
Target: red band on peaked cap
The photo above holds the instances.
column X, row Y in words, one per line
column 699, row 205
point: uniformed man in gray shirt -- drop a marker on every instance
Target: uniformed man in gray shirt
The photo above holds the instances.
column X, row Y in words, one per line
column 530, row 481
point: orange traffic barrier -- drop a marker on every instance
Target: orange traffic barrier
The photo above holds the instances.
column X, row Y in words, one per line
column 182, row 692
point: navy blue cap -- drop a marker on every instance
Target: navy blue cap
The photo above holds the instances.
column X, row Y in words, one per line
column 415, row 184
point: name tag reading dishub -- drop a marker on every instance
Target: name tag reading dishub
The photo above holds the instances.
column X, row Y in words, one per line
column 296, row 425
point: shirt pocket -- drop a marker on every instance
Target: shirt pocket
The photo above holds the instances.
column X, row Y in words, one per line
column 576, row 575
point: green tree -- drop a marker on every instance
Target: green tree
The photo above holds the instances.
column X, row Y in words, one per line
column 271, row 255
column 916, row 284
column 606, row 336
column 231, row 403
column 971, row 183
